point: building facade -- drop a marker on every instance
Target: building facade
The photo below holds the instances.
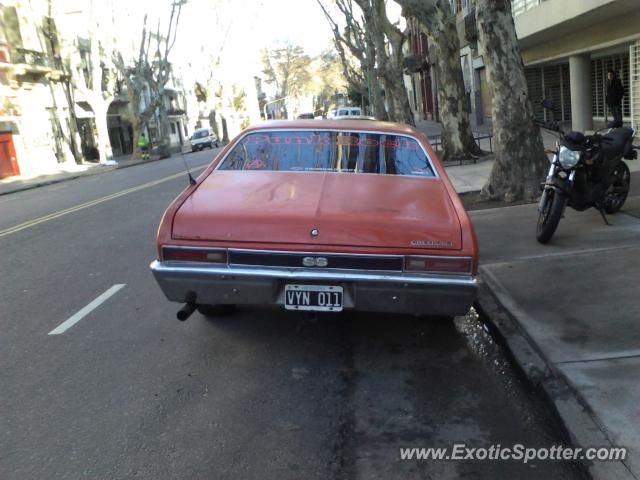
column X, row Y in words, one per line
column 567, row 46
column 36, row 113
column 419, row 76
column 62, row 102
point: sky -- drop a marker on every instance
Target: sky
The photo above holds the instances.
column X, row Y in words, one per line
column 299, row 21
column 252, row 25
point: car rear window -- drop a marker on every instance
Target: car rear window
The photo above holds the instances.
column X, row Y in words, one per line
column 200, row 134
column 329, row 151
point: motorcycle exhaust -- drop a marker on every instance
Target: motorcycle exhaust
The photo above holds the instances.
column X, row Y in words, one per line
column 186, row 311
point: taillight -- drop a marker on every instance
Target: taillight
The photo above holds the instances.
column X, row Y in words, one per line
column 194, row 254
column 417, row 263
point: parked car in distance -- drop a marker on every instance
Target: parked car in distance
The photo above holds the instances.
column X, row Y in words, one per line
column 305, row 116
column 354, row 117
column 345, row 112
column 203, row 137
column 320, row 215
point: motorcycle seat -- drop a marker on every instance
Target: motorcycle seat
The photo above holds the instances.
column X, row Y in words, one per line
column 614, row 142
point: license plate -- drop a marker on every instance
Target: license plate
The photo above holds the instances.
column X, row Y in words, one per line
column 321, row 298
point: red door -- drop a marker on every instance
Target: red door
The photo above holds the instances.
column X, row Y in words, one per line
column 8, row 160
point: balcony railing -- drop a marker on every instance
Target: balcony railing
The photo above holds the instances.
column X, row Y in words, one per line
column 30, row 58
column 521, row 6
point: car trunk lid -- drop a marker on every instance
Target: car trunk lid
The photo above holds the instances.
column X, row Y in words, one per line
column 346, row 209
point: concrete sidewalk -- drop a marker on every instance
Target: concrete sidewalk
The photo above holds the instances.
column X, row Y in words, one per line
column 68, row 172
column 471, row 177
column 568, row 311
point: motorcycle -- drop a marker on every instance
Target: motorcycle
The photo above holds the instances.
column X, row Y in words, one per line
column 586, row 171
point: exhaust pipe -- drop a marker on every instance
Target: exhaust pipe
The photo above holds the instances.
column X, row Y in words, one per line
column 186, row 311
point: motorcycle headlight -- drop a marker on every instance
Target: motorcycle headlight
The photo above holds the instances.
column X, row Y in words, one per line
column 568, row 158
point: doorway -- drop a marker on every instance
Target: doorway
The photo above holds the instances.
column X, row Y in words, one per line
column 8, row 161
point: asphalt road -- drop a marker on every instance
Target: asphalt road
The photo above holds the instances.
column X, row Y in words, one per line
column 130, row 392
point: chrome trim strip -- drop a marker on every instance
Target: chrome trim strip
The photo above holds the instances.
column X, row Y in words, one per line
column 321, row 253
column 318, row 274
column 304, row 252
column 242, row 135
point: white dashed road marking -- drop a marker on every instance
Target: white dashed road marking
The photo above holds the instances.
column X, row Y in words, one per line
column 71, row 321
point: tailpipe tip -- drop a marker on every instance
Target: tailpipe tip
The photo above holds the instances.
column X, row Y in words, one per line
column 186, row 311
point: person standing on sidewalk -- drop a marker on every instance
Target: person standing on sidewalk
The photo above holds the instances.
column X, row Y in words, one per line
column 143, row 143
column 615, row 92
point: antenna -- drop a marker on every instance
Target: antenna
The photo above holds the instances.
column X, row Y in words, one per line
column 186, row 166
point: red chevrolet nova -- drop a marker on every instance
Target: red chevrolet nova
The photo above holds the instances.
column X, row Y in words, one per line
column 320, row 215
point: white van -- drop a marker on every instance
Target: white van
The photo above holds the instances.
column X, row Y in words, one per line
column 345, row 112
column 349, row 112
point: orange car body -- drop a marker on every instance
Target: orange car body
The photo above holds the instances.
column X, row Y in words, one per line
column 279, row 218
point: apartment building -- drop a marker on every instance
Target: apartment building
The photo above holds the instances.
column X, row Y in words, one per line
column 35, row 108
column 61, row 101
column 567, row 47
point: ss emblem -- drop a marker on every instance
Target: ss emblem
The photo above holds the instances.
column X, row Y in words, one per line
column 315, row 262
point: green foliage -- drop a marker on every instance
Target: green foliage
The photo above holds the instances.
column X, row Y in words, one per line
column 356, row 98
column 238, row 100
column 328, row 80
column 287, row 68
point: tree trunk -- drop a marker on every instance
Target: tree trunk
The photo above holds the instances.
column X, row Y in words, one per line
column 444, row 47
column 73, row 123
column 136, row 124
column 518, row 168
column 403, row 112
column 164, row 141
column 225, row 133
column 457, row 138
column 213, row 123
column 373, row 39
column 379, row 110
column 99, row 107
column 392, row 63
column 389, row 97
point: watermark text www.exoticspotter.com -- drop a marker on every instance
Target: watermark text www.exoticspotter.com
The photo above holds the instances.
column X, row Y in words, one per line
column 518, row 452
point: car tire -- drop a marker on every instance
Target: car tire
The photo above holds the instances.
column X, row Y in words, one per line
column 218, row 310
column 217, row 145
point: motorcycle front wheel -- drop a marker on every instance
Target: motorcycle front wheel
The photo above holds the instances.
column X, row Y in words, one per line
column 616, row 194
column 550, row 214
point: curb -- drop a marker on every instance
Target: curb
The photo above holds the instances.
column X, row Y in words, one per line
column 579, row 421
column 44, row 183
column 97, row 170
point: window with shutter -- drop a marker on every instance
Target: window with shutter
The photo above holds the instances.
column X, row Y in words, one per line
column 634, row 84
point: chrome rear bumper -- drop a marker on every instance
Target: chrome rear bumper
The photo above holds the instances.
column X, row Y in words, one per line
column 363, row 290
